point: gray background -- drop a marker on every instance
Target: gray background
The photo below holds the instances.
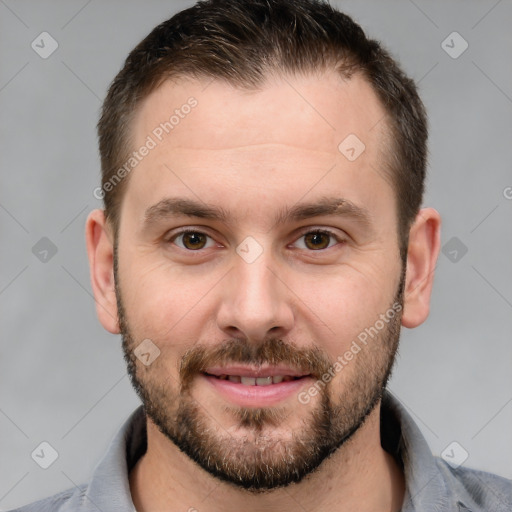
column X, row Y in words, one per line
column 62, row 377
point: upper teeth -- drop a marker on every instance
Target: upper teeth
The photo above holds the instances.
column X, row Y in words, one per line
column 256, row 381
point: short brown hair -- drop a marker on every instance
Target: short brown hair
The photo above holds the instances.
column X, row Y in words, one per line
column 241, row 42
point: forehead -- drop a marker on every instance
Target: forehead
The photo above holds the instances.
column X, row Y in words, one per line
column 327, row 107
column 210, row 138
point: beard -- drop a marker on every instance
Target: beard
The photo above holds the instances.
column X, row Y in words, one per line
column 261, row 460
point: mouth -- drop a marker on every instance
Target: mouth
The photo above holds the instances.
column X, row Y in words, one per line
column 255, row 381
column 256, row 386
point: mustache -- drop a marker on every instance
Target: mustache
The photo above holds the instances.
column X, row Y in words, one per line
column 272, row 351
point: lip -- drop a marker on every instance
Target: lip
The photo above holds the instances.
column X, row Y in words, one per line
column 256, row 396
column 255, row 371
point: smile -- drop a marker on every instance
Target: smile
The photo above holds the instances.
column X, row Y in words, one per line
column 256, row 381
column 251, row 386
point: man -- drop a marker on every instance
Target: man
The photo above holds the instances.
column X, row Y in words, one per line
column 262, row 242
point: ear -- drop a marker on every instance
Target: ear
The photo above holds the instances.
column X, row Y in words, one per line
column 100, row 250
column 423, row 250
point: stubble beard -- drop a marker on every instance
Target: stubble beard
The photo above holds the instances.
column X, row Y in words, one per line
column 257, row 460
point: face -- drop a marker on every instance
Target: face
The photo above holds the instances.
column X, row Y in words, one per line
column 262, row 263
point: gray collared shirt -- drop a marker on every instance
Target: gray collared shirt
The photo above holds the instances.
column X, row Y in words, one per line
column 432, row 485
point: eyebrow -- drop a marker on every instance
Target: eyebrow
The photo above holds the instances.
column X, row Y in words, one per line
column 180, row 206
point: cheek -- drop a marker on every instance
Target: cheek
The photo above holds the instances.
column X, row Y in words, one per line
column 342, row 305
column 162, row 302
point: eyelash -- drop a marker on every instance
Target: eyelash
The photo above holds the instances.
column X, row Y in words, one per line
column 304, row 233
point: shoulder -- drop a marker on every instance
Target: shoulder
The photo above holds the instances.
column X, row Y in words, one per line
column 481, row 489
column 68, row 500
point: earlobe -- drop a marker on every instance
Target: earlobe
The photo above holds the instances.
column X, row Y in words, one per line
column 423, row 250
column 100, row 251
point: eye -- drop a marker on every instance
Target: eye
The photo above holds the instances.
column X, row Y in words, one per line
column 318, row 239
column 192, row 240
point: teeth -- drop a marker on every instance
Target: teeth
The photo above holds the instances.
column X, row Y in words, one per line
column 263, row 381
column 257, row 381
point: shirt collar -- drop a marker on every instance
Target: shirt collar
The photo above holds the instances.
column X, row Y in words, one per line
column 425, row 487
column 109, row 488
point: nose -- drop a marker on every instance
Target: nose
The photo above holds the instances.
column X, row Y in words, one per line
column 255, row 301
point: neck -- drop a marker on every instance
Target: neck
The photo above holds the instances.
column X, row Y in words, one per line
column 360, row 476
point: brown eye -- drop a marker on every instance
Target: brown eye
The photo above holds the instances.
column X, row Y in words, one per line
column 317, row 240
column 191, row 240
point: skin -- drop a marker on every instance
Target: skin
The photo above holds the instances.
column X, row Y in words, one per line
column 253, row 153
